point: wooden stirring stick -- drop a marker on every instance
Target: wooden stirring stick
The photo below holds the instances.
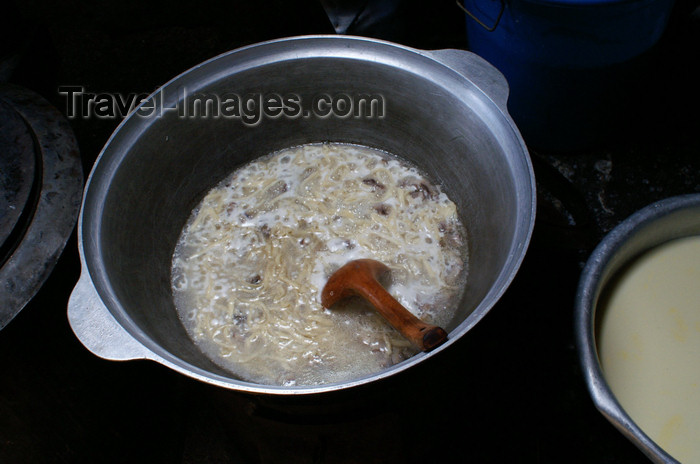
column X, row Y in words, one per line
column 359, row 277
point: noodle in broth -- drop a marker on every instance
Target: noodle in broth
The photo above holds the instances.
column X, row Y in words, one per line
column 250, row 264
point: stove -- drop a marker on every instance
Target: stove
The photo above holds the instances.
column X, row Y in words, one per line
column 41, row 184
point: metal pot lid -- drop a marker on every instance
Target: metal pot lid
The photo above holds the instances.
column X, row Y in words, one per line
column 41, row 184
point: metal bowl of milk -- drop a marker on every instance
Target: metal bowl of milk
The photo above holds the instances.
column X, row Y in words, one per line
column 638, row 328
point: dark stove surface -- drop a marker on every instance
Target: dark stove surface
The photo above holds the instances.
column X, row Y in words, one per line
column 511, row 390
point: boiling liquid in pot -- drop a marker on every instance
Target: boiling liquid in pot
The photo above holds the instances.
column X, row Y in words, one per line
column 251, row 262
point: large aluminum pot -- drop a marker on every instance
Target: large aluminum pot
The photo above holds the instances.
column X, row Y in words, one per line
column 444, row 110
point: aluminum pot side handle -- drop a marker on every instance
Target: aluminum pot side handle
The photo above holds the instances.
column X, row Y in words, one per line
column 97, row 329
column 479, row 71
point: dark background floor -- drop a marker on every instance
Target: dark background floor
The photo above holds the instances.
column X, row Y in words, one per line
column 509, row 391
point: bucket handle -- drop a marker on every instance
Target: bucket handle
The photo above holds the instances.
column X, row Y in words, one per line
column 480, row 22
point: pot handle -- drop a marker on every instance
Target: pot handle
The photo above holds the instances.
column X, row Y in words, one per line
column 479, row 71
column 97, row 329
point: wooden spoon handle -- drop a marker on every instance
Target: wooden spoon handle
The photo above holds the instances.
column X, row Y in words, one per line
column 425, row 336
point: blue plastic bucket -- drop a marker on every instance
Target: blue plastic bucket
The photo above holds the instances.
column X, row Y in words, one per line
column 570, row 64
